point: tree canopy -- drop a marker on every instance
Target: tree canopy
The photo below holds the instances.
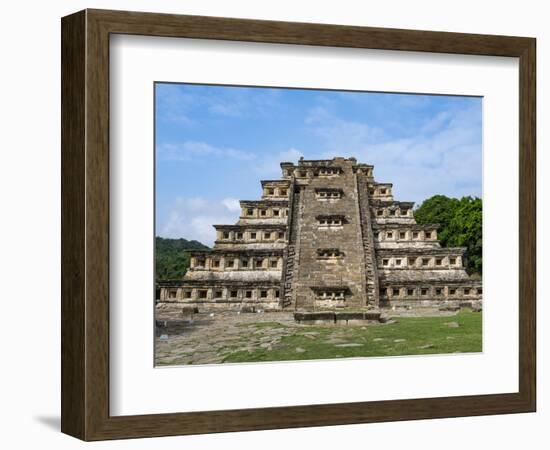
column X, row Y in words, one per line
column 171, row 257
column 460, row 225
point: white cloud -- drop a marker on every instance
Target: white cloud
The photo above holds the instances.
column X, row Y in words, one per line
column 441, row 156
column 190, row 150
column 193, row 217
column 269, row 166
column 180, row 102
column 242, row 102
column 174, row 105
column 436, row 122
column 232, row 204
column 341, row 136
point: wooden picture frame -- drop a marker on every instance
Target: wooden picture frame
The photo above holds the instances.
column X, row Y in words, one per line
column 85, row 224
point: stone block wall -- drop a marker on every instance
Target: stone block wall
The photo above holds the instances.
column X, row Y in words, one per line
column 330, row 225
column 326, row 235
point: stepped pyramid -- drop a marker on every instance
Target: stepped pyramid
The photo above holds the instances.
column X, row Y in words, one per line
column 326, row 235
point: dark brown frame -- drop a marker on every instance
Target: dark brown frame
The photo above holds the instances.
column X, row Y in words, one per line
column 85, row 224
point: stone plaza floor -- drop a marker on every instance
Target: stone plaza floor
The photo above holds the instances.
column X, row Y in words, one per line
column 210, row 337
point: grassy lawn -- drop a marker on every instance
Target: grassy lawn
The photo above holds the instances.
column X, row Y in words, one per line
column 407, row 336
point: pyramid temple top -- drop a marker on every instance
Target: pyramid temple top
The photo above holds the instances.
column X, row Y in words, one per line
column 335, row 164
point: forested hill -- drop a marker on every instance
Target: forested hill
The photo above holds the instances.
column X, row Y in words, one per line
column 171, row 258
column 460, row 225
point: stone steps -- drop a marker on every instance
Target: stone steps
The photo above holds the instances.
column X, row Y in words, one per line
column 337, row 317
column 290, row 251
column 368, row 241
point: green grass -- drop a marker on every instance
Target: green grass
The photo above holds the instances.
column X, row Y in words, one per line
column 414, row 335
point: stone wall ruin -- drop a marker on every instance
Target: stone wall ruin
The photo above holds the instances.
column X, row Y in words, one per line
column 324, row 236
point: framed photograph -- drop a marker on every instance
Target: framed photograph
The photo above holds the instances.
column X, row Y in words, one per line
column 273, row 225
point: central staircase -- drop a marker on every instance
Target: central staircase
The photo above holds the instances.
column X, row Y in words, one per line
column 290, row 253
column 368, row 241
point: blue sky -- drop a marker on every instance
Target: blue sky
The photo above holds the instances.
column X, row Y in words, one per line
column 215, row 143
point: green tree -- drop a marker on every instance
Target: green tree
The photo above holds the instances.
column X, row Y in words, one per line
column 172, row 258
column 465, row 230
column 460, row 225
column 438, row 209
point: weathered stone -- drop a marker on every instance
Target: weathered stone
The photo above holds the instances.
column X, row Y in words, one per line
column 325, row 236
column 311, row 316
column 449, row 308
column 367, row 315
column 337, row 318
column 452, row 324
